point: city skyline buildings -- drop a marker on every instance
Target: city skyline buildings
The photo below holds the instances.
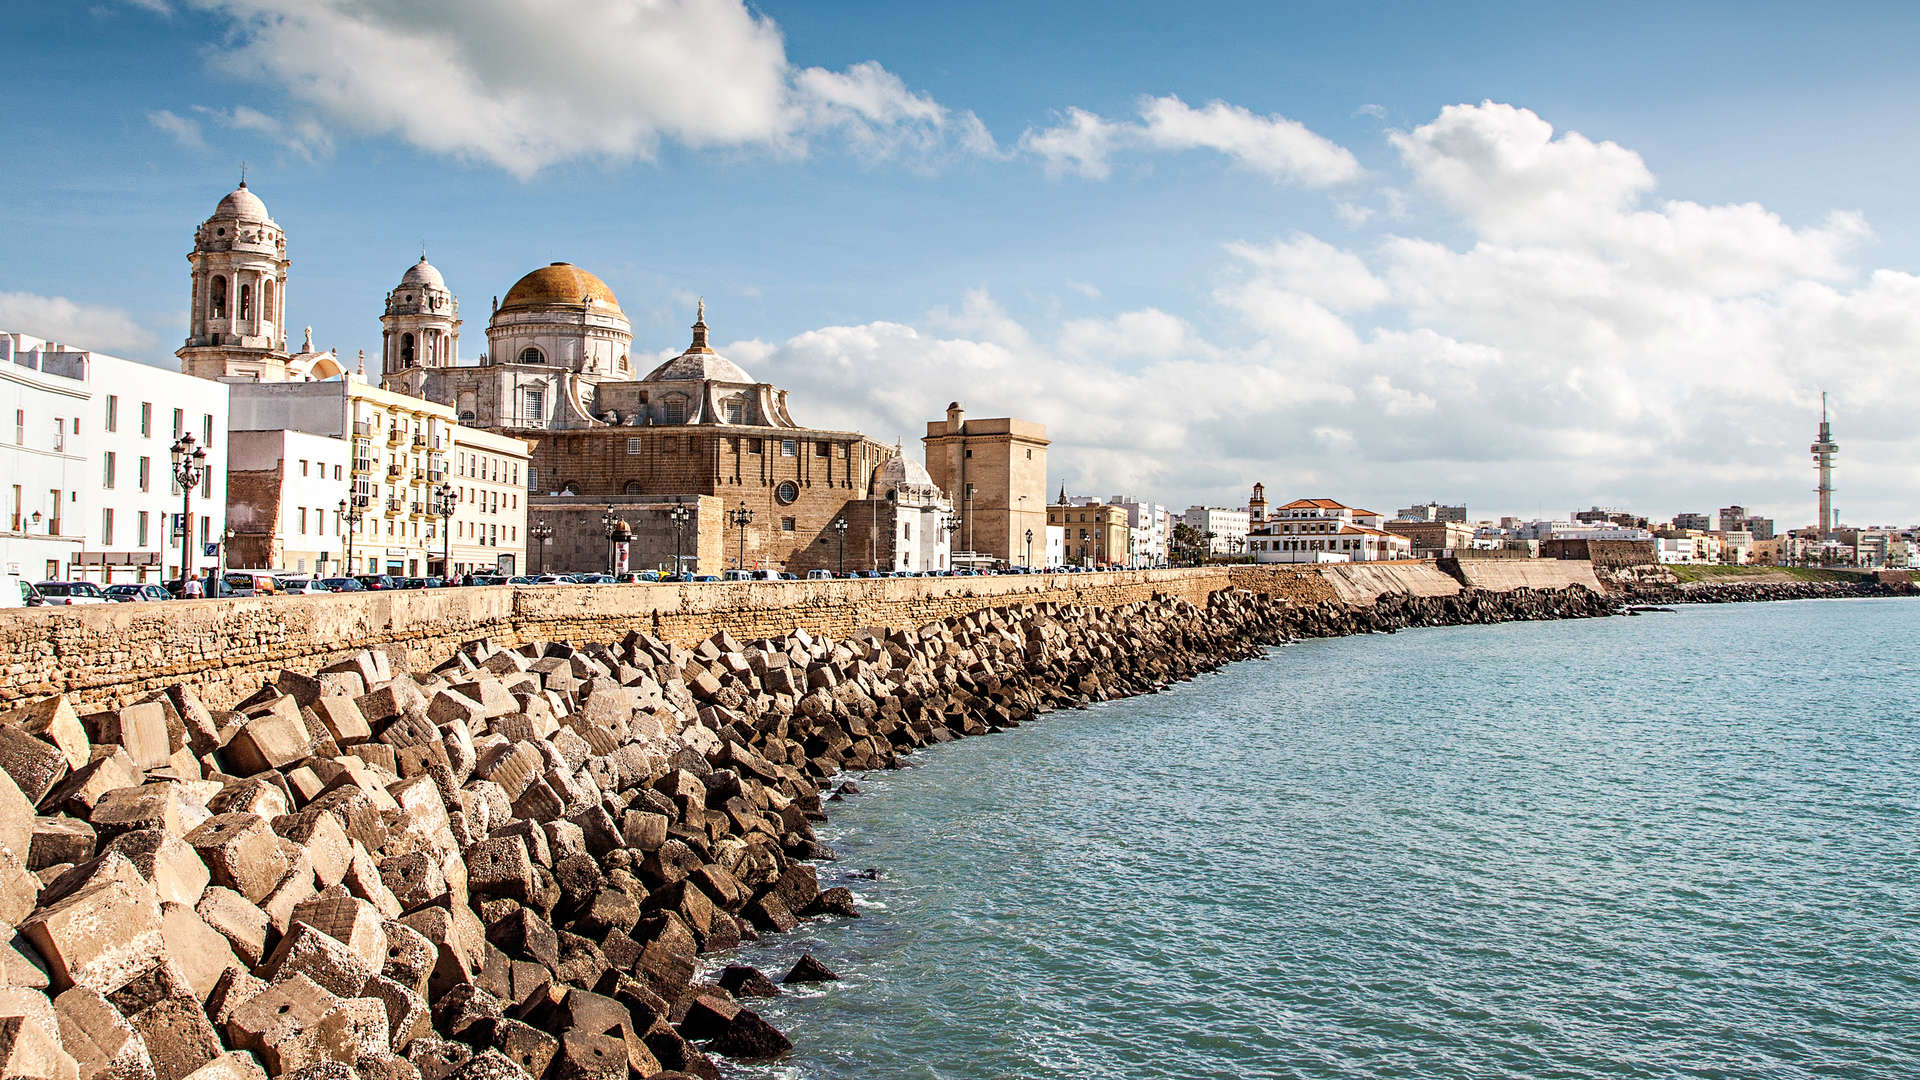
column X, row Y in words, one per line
column 1328, row 301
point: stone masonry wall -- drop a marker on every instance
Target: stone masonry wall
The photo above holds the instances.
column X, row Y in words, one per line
column 112, row 654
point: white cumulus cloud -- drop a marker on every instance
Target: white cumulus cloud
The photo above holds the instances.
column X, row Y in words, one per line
column 70, row 322
column 522, row 86
column 1083, row 143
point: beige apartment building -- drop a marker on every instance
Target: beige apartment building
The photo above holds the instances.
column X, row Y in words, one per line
column 1096, row 533
column 995, row 471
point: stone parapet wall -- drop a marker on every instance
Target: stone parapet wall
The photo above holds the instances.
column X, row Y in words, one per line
column 113, row 654
column 1507, row 575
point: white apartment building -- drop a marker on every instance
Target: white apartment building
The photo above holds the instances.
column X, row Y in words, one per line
column 284, row 490
column 1056, row 546
column 1322, row 530
column 122, row 505
column 488, row 472
column 1151, row 526
column 46, row 470
column 1229, row 528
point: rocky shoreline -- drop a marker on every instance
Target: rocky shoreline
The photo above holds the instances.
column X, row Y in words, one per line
column 1746, row 592
column 508, row 867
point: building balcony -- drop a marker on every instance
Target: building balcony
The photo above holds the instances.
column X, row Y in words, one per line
column 419, row 442
column 417, row 510
column 394, row 472
column 396, row 436
column 362, row 429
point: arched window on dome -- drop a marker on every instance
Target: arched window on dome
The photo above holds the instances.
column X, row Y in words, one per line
column 531, row 355
column 467, row 417
column 673, row 410
column 266, row 300
column 406, row 350
column 623, row 363
column 246, row 301
column 736, row 408
column 217, row 299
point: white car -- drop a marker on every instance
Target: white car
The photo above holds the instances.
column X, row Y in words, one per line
column 298, row 585
column 68, row 593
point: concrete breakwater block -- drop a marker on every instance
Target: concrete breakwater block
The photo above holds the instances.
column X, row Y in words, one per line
column 509, row 865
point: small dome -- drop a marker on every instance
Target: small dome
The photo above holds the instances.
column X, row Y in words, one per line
column 424, row 273
column 901, row 471
column 699, row 363
column 243, row 204
column 704, row 366
column 560, row 283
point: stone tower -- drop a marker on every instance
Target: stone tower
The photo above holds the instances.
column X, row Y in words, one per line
column 1257, row 506
column 236, row 328
column 420, row 329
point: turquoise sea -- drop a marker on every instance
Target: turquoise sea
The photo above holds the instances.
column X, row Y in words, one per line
column 1680, row 845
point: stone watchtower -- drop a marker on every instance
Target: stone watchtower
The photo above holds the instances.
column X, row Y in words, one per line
column 420, row 329
column 995, row 471
column 237, row 317
column 1257, row 506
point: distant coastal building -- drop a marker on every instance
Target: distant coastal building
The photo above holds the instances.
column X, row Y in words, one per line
column 1823, row 450
column 1323, row 530
column 1225, row 531
column 1432, row 511
column 1432, row 539
column 1093, row 533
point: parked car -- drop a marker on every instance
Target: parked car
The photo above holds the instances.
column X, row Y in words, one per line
column 298, row 584
column 69, row 593
column 819, row 575
column 127, row 592
column 522, row 580
column 736, row 575
column 706, row 577
column 342, row 584
column 376, row 582
column 251, row 583
column 16, row 591
column 486, row 579
column 595, row 579
column 553, row 579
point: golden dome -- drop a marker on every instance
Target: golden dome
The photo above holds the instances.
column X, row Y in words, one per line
column 559, row 283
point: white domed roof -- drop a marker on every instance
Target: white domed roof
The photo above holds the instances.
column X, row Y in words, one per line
column 424, row 273
column 243, row 204
column 703, row 366
column 699, row 363
column 901, row 471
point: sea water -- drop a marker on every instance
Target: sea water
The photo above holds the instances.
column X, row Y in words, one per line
column 1678, row 845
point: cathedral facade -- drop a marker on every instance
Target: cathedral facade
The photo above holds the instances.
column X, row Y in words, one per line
column 558, row 374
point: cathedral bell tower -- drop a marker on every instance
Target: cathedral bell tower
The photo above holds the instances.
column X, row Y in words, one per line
column 237, row 326
column 420, row 329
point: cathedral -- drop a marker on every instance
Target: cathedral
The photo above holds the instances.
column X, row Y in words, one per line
column 611, row 452
column 558, row 373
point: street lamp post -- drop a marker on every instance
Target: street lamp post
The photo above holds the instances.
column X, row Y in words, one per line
column 226, row 538
column 614, row 526
column 741, row 517
column 351, row 512
column 445, row 498
column 951, row 523
column 189, row 467
column 1029, row 549
column 541, row 534
column 840, row 527
column 678, row 515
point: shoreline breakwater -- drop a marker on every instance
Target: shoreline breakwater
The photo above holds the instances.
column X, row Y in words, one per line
column 508, row 864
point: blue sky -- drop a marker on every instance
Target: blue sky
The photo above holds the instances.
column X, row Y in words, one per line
column 1527, row 257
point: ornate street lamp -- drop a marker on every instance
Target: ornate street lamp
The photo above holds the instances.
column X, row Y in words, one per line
column 445, row 498
column 226, row 540
column 189, row 467
column 542, row 535
column 741, row 517
column 840, row 527
column 1029, row 549
column 678, row 515
column 951, row 523
column 349, row 517
column 615, row 528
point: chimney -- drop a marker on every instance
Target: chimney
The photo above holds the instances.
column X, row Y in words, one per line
column 955, row 418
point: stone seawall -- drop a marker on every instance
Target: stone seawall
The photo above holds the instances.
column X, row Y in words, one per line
column 109, row 655
column 1506, row 575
